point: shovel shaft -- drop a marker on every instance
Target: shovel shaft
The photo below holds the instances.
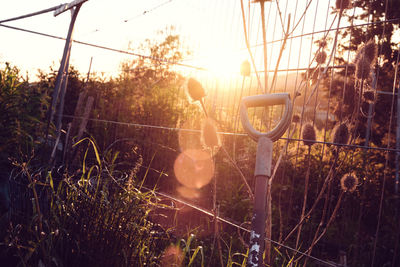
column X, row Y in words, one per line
column 262, row 174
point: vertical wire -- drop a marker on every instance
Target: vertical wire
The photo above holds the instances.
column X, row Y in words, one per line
column 322, row 152
column 270, row 109
column 364, row 189
column 298, row 144
column 306, row 182
column 388, row 145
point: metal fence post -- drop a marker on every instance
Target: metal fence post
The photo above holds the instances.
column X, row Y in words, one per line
column 62, row 75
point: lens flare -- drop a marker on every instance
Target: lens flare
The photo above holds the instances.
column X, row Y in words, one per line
column 189, row 139
column 194, row 168
column 172, row 256
column 189, row 193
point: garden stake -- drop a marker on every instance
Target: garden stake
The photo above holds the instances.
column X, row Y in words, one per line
column 263, row 166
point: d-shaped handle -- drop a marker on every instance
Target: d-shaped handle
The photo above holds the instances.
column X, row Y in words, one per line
column 262, row 101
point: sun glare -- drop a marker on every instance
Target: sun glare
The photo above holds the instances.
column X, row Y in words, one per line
column 223, row 64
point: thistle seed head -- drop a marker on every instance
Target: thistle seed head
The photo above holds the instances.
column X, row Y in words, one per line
column 321, row 43
column 370, row 51
column 296, row 118
column 365, row 58
column 320, row 57
column 349, row 182
column 309, row 134
column 209, row 135
column 195, row 90
column 369, row 96
column 363, row 68
column 341, row 134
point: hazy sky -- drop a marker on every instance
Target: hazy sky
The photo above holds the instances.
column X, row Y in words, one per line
column 212, row 30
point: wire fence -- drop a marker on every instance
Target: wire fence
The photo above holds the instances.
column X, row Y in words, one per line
column 320, row 92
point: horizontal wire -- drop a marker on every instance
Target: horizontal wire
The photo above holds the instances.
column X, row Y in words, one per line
column 104, row 47
column 231, row 223
column 145, row 12
column 178, row 63
column 328, row 30
column 306, row 69
column 230, row 133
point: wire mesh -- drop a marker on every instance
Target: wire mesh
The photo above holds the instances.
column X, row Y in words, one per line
column 326, row 94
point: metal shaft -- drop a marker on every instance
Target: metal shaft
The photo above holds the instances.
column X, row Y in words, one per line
column 262, row 174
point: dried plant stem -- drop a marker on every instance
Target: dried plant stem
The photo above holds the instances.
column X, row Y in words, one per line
column 264, row 46
column 35, row 195
column 203, row 107
column 240, row 173
column 328, row 178
column 329, row 61
column 318, row 237
column 323, row 216
column 248, row 45
column 305, row 195
column 280, row 54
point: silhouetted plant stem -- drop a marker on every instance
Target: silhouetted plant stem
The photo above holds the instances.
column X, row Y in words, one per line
column 248, row 44
column 305, row 195
column 316, row 239
column 265, row 50
column 35, row 195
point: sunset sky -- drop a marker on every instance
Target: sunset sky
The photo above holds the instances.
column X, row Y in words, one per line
column 211, row 30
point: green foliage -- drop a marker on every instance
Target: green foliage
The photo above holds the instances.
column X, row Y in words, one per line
column 93, row 218
column 22, row 113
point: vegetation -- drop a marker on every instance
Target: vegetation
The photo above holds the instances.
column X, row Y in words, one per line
column 101, row 207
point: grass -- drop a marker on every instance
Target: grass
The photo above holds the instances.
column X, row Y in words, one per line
column 95, row 216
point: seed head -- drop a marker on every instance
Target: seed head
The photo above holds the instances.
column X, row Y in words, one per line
column 365, row 58
column 309, row 135
column 320, row 57
column 245, row 68
column 342, row 4
column 321, row 43
column 349, row 182
column 209, row 135
column 341, row 134
column 195, row 90
column 369, row 96
column 296, row 118
column 363, row 68
column 370, row 51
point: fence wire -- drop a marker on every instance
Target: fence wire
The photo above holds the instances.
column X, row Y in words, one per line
column 312, row 21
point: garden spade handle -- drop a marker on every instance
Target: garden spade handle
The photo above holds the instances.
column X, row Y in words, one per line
column 263, row 101
column 263, row 166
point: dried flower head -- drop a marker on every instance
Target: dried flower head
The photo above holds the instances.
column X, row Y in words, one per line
column 321, row 43
column 349, row 182
column 369, row 96
column 370, row 51
column 365, row 58
column 195, row 90
column 209, row 135
column 342, row 4
column 309, row 135
column 245, row 68
column 320, row 57
column 296, row 118
column 363, row 68
column 341, row 134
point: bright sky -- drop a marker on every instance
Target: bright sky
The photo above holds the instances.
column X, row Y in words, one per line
column 212, row 30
